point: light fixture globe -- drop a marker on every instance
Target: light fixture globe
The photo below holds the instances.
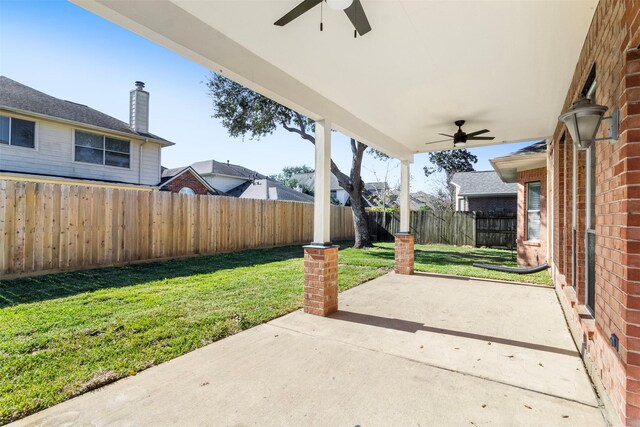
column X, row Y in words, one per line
column 459, row 144
column 583, row 120
column 339, row 4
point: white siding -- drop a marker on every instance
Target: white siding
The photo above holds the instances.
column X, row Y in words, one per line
column 150, row 165
column 224, row 183
column 53, row 155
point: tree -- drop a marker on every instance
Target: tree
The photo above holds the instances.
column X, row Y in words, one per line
column 450, row 162
column 244, row 112
column 287, row 179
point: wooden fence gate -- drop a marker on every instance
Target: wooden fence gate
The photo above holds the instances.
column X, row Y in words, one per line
column 496, row 231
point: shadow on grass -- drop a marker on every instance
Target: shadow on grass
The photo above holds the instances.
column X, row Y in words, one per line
column 51, row 286
column 450, row 258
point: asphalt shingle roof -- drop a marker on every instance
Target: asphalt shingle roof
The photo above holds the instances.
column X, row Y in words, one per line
column 207, row 167
column 308, row 180
column 376, row 186
column 268, row 189
column 482, row 183
column 538, row 147
column 14, row 95
column 170, row 173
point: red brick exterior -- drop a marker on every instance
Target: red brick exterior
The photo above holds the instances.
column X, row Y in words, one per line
column 532, row 253
column 611, row 45
column 404, row 253
column 186, row 179
column 320, row 280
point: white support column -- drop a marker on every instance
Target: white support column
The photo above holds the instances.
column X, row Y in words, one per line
column 322, row 185
column 405, row 197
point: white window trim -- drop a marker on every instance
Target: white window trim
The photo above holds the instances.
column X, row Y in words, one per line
column 36, row 134
column 104, row 135
column 539, row 210
column 187, row 193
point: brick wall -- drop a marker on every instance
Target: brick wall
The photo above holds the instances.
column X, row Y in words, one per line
column 404, row 253
column 489, row 204
column 320, row 280
column 531, row 253
column 611, row 45
column 186, row 179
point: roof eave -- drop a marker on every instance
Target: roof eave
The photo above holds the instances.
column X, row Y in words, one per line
column 507, row 167
column 195, row 174
column 161, row 142
column 507, row 194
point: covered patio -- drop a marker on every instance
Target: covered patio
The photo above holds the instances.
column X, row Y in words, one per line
column 510, row 68
column 422, row 349
column 396, row 88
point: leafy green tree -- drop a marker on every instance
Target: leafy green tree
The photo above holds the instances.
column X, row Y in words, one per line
column 286, row 177
column 450, row 162
column 244, row 112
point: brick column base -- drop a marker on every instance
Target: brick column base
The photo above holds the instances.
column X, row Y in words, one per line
column 320, row 280
column 404, row 253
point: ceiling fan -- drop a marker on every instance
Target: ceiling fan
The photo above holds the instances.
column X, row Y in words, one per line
column 460, row 138
column 353, row 9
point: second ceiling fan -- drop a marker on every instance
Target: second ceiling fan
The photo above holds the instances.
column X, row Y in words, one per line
column 460, row 138
column 352, row 8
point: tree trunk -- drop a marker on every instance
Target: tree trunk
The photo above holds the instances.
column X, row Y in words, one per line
column 351, row 183
column 360, row 222
column 355, row 190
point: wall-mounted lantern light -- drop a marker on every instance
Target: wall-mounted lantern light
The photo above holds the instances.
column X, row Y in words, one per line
column 583, row 120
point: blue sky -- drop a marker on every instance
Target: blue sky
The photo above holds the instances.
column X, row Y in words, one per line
column 67, row 52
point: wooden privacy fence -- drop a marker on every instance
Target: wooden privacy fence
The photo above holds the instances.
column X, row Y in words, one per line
column 496, row 230
column 49, row 227
column 448, row 227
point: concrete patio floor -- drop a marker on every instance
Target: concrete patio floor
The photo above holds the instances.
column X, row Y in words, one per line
column 404, row 350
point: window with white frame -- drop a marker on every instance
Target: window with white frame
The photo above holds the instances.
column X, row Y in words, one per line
column 102, row 150
column 533, row 211
column 17, row 132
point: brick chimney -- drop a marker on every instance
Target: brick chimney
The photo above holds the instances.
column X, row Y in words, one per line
column 139, row 108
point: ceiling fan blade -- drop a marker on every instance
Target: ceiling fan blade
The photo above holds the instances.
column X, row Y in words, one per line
column 434, row 142
column 300, row 9
column 444, row 134
column 478, row 132
column 481, row 138
column 358, row 18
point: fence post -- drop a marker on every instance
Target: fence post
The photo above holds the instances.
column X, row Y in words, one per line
column 475, row 230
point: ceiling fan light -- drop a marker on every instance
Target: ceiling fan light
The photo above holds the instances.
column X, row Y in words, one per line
column 459, row 144
column 339, row 4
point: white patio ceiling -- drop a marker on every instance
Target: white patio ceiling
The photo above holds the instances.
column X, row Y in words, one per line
column 502, row 65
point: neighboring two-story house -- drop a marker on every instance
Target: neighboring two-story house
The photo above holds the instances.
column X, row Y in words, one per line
column 49, row 139
column 225, row 176
column 232, row 180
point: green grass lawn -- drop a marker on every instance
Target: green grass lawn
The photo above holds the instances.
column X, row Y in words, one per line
column 64, row 334
column 444, row 259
